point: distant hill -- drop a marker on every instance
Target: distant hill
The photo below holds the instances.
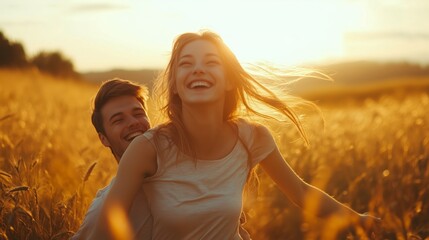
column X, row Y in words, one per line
column 344, row 74
column 144, row 76
column 364, row 71
column 359, row 74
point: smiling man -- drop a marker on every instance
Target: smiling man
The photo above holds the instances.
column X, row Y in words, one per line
column 119, row 115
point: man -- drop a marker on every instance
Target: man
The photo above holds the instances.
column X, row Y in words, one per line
column 119, row 115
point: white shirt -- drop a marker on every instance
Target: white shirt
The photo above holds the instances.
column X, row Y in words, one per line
column 139, row 215
column 202, row 199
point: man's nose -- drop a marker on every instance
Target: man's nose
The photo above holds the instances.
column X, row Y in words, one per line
column 132, row 121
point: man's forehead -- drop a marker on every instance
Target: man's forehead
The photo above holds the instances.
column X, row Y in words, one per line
column 121, row 104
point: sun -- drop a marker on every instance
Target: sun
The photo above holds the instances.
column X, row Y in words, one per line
column 289, row 33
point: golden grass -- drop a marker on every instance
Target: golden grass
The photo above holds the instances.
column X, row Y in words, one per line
column 47, row 143
column 372, row 154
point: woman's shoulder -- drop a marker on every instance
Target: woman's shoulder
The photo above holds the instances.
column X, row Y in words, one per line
column 159, row 130
column 248, row 125
column 251, row 131
column 257, row 138
column 159, row 136
column 149, row 133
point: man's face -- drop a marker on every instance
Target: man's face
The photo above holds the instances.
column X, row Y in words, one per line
column 124, row 118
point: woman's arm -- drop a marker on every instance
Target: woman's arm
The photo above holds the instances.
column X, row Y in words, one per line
column 302, row 193
column 138, row 162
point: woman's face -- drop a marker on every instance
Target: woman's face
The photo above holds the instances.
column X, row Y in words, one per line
column 200, row 75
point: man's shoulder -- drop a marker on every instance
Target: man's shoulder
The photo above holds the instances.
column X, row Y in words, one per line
column 92, row 213
column 104, row 190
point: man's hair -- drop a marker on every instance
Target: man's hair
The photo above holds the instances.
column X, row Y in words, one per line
column 111, row 89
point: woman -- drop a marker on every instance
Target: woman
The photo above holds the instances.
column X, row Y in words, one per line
column 196, row 164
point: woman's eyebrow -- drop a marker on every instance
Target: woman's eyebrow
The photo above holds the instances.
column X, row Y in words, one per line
column 212, row 55
column 207, row 55
column 185, row 56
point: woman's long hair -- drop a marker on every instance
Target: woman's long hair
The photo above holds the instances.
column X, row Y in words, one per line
column 257, row 91
column 247, row 97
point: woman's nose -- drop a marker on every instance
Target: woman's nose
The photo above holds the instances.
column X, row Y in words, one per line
column 198, row 68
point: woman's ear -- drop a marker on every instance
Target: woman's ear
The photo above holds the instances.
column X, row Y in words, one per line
column 174, row 89
column 229, row 85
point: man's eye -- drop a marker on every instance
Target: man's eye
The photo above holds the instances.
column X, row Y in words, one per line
column 117, row 120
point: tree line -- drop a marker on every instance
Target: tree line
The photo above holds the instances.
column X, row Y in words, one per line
column 12, row 55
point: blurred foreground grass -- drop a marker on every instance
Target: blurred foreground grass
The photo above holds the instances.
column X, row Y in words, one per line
column 372, row 154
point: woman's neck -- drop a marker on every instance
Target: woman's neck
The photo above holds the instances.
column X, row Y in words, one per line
column 210, row 136
column 202, row 122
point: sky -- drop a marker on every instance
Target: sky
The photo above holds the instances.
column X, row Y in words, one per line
column 137, row 34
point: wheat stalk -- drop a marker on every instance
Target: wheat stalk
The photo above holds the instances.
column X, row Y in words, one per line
column 6, row 116
column 3, row 173
column 17, row 189
column 89, row 171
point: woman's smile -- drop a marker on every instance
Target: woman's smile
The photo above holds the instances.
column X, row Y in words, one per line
column 199, row 84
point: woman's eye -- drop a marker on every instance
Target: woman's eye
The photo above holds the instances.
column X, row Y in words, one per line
column 213, row 62
column 184, row 63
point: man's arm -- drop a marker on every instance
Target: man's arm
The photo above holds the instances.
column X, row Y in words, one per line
column 92, row 214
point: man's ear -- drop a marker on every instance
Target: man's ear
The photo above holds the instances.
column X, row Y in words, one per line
column 104, row 139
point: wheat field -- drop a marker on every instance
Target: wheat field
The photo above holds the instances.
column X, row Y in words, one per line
column 371, row 153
